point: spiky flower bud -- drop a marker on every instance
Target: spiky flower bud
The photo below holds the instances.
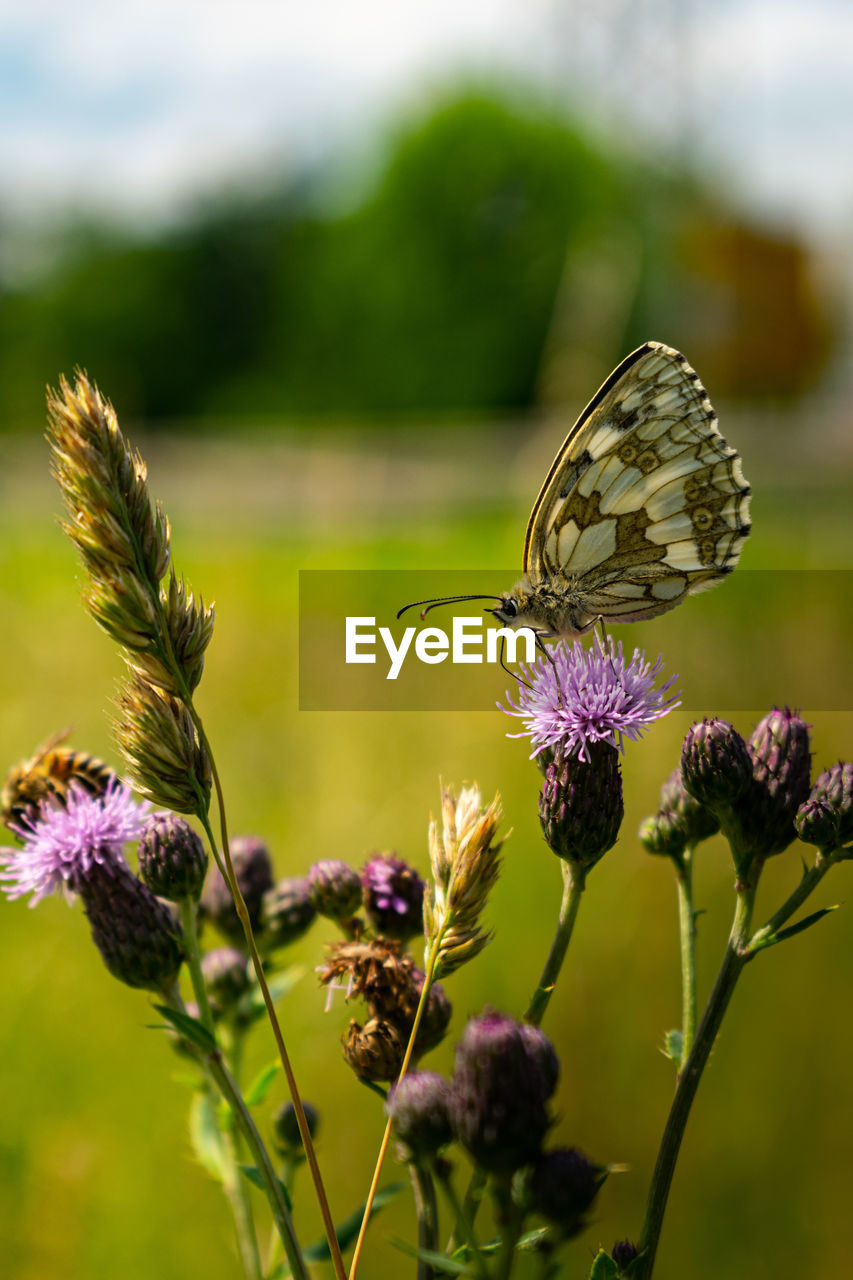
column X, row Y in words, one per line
column 663, row 834
column 334, row 889
column 563, row 1184
column 172, row 859
column 623, row 1252
column 287, row 912
column 781, row 766
column 287, row 1127
column 160, row 744
column 715, row 763
column 374, row 1051
column 226, row 977
column 697, row 822
column 498, row 1094
column 253, row 870
column 419, row 1107
column 134, row 932
column 465, row 861
column 393, row 896
column 580, row 805
column 817, row 823
column 541, row 1051
column 834, row 787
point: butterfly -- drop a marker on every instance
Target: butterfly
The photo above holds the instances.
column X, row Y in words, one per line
column 644, row 504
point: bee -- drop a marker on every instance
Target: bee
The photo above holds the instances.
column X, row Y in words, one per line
column 50, row 773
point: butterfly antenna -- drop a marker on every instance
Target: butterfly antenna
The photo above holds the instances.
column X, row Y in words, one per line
column 433, row 604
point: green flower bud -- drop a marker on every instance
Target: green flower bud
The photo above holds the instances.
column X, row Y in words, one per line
column 334, row 889
column 287, row 1127
column 697, row 822
column 227, row 979
column 286, row 913
column 172, row 860
column 664, row 835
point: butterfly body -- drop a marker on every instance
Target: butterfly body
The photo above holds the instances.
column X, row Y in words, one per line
column 644, row 504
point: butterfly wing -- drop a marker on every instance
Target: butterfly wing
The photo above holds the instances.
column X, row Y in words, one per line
column 645, row 502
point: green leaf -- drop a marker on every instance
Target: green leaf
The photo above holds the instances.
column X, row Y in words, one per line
column 603, row 1267
column 189, row 1027
column 253, row 1174
column 349, row 1228
column 438, row 1261
column 260, row 1086
column 673, row 1046
column 205, row 1137
column 794, row 929
column 532, row 1240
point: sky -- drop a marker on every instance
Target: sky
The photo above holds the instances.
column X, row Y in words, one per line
column 136, row 106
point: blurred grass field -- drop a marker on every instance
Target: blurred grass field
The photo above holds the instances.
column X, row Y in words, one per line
column 96, row 1176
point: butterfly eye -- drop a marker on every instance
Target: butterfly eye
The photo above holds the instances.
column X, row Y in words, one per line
column 509, row 608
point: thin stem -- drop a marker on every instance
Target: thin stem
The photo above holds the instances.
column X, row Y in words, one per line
column 243, row 914
column 427, row 1211
column 386, row 1137
column 464, row 1227
column 510, row 1217
column 808, row 883
column 687, row 931
column 193, row 958
column 688, row 1081
column 574, row 881
column 275, row 1194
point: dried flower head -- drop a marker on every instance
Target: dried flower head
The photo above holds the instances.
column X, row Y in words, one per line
column 465, row 860
column 63, row 843
column 393, row 896
column 374, row 1051
column 579, row 696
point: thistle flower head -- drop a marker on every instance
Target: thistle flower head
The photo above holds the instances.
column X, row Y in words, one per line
column 695, row 821
column 253, row 870
column 419, row 1107
column 287, row 1126
column 334, row 889
column 63, row 843
column 287, row 912
column 393, row 895
column 715, row 763
column 374, row 1051
column 499, row 1091
column 135, row 932
column 834, row 789
column 227, row 979
column 172, row 860
column 580, row 696
column 563, row 1184
column 465, row 860
column 580, row 805
column 781, row 766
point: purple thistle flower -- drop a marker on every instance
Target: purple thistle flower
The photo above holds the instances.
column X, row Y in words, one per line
column 589, row 695
column 393, row 896
column 63, row 843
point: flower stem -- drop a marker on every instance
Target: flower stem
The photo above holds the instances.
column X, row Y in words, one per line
column 808, row 883
column 736, row 956
column 427, row 1210
column 243, row 914
column 464, row 1228
column 687, row 930
column 386, row 1137
column 574, row 880
column 193, row 957
column 275, row 1194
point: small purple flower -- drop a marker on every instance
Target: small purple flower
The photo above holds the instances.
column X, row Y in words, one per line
column 589, row 695
column 393, row 896
column 64, row 842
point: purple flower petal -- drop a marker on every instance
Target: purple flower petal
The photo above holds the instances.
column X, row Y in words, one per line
column 589, row 695
column 65, row 841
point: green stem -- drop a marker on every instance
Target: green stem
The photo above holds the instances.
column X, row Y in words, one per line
column 510, row 1218
column 574, row 881
column 386, row 1137
column 808, row 883
column 464, row 1228
column 275, row 1194
column 687, row 931
column 427, row 1210
column 193, row 958
column 734, row 960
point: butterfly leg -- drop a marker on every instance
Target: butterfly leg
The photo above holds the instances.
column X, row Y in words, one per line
column 605, row 647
